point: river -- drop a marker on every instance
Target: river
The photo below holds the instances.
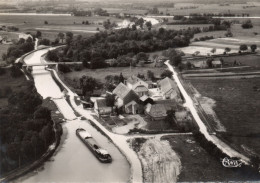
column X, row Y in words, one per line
column 73, row 162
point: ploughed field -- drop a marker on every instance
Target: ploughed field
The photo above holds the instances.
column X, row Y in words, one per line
column 237, row 107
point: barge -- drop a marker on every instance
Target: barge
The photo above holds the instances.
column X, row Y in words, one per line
column 101, row 154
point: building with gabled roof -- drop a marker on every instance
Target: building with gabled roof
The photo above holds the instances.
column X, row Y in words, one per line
column 101, row 108
column 139, row 86
column 169, row 89
column 158, row 110
column 127, row 99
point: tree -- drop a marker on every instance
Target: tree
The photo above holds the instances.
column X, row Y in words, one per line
column 45, row 42
column 148, row 25
column 253, row 47
column 61, row 36
column 140, row 22
column 150, row 75
column 38, row 34
column 229, row 33
column 42, row 113
column 209, row 62
column 170, row 118
column 174, row 57
column 247, row 24
column 213, row 50
column 110, row 100
column 243, row 47
column 166, row 73
column 69, row 37
column 121, row 78
column 142, row 56
column 227, row 49
column 88, row 84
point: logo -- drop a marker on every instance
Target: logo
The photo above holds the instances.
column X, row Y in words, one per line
column 230, row 163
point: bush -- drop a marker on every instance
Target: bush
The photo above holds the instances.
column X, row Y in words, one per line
column 247, row 24
column 78, row 68
column 64, row 68
column 16, row 72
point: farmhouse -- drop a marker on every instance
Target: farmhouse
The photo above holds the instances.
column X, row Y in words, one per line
column 127, row 100
column 101, row 108
column 169, row 89
column 139, row 86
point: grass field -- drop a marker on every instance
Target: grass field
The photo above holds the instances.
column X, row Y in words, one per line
column 207, row 7
column 100, row 74
column 199, row 166
column 237, row 107
column 56, row 24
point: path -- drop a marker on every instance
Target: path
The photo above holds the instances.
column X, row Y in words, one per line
column 203, row 129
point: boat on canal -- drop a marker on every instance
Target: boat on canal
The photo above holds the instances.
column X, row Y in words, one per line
column 101, row 154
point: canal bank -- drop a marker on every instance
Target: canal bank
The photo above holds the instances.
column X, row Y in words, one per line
column 74, row 162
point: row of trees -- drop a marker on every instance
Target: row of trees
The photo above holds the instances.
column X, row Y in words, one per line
column 18, row 49
column 93, row 51
column 25, row 130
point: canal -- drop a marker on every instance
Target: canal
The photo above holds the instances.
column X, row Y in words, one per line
column 73, row 162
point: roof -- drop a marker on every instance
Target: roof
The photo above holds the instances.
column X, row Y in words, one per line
column 216, row 62
column 121, row 91
column 101, row 103
column 161, row 57
column 126, row 94
column 131, row 96
column 140, row 89
column 133, row 79
column 84, row 134
column 156, row 110
column 199, row 64
column 160, row 108
column 167, row 84
column 144, row 97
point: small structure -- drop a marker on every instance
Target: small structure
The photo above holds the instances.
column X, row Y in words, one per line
column 158, row 110
column 110, row 62
column 101, row 108
column 4, row 40
column 216, row 63
column 199, row 64
column 139, row 86
column 25, row 36
column 169, row 89
column 127, row 99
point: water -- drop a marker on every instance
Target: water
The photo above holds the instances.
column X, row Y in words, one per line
column 73, row 161
column 35, row 14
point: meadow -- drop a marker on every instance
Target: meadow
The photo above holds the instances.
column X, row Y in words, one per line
column 56, row 24
column 100, row 74
column 237, row 107
column 206, row 7
column 200, row 166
